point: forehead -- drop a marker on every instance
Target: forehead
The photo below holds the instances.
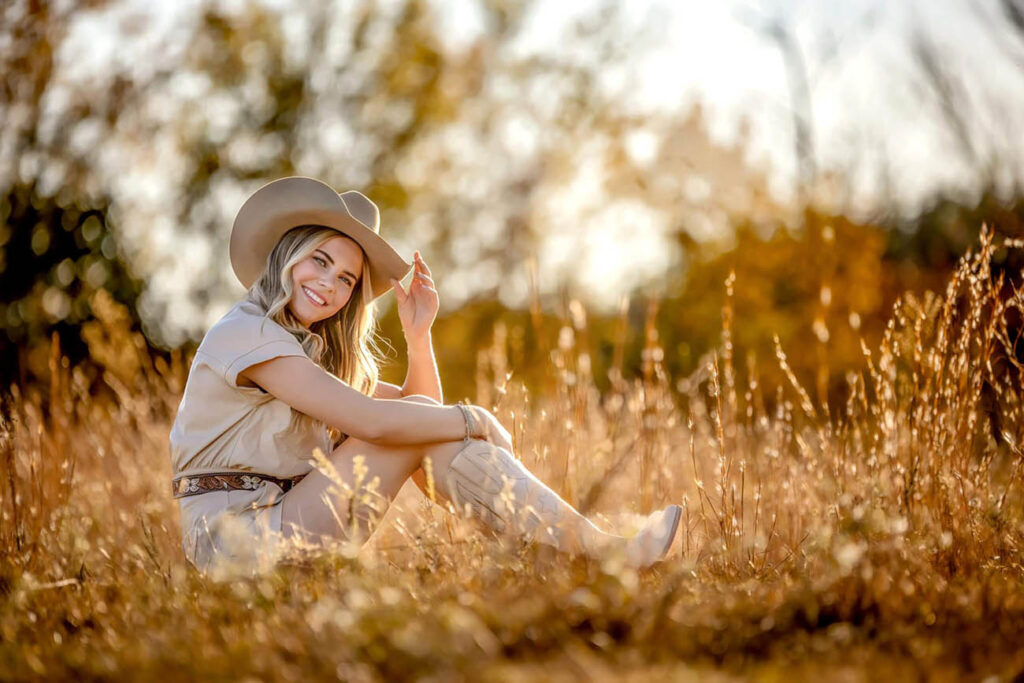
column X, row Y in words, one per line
column 344, row 251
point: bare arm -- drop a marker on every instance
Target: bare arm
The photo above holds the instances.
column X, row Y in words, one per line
column 417, row 309
column 310, row 389
column 422, row 377
column 386, row 390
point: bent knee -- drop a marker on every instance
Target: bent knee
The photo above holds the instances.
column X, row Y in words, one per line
column 353, row 446
column 420, row 398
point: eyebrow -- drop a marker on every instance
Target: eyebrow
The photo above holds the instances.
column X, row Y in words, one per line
column 328, row 257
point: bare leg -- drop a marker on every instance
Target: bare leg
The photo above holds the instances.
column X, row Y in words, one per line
column 419, row 477
column 305, row 508
column 369, row 489
column 547, row 518
column 502, row 493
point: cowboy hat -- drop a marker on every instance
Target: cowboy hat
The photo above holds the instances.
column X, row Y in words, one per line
column 286, row 203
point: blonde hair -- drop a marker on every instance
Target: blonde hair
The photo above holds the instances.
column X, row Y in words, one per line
column 346, row 344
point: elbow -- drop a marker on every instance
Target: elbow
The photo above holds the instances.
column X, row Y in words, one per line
column 368, row 431
column 376, row 434
column 373, row 427
column 366, row 420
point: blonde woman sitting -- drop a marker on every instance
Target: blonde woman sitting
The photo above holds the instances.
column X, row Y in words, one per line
column 291, row 368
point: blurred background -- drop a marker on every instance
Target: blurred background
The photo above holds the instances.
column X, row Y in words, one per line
column 579, row 175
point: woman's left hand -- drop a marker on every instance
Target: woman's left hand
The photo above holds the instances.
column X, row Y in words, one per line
column 418, row 306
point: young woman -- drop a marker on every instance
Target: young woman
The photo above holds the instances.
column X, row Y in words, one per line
column 292, row 368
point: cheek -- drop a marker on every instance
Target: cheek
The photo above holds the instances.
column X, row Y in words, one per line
column 343, row 299
column 300, row 273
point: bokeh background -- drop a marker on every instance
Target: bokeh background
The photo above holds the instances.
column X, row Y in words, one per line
column 587, row 172
column 728, row 255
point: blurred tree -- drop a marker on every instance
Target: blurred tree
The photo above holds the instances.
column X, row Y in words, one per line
column 57, row 246
column 352, row 101
column 466, row 151
column 53, row 261
column 813, row 288
column 477, row 155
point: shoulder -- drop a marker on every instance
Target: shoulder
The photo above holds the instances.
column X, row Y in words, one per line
column 243, row 329
column 246, row 321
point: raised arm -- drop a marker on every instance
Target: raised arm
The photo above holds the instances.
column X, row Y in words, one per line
column 310, row 389
column 422, row 377
column 417, row 309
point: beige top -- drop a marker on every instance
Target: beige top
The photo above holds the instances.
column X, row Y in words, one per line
column 221, row 426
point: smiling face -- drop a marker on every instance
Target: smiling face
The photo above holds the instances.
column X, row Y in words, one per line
column 323, row 281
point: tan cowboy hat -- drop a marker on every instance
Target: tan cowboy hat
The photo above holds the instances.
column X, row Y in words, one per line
column 283, row 204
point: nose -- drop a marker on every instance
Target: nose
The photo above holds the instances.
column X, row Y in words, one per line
column 326, row 283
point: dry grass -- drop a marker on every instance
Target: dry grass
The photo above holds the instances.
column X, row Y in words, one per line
column 877, row 538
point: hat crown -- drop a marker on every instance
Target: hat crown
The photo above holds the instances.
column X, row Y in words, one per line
column 285, row 203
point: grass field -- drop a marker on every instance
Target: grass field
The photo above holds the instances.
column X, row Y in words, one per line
column 876, row 539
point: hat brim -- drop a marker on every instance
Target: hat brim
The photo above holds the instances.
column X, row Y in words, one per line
column 267, row 216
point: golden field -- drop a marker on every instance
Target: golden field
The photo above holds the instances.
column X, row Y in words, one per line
column 877, row 537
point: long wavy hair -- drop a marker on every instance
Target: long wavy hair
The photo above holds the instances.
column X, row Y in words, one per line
column 346, row 344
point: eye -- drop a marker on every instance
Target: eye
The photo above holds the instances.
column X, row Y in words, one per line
column 320, row 261
column 345, row 279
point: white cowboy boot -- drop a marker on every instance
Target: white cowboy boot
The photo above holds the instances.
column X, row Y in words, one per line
column 508, row 497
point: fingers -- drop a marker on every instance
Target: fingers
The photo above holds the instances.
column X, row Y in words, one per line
column 420, row 264
column 421, row 283
column 422, row 278
column 424, row 283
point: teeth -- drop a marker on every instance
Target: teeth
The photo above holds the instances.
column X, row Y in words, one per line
column 312, row 295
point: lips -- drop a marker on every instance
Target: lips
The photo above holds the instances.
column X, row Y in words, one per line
column 313, row 296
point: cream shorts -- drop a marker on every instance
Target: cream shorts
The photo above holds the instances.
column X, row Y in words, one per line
column 234, row 532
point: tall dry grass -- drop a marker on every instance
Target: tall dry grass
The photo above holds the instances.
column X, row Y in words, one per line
column 878, row 537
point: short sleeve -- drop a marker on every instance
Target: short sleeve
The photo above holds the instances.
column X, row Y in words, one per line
column 244, row 338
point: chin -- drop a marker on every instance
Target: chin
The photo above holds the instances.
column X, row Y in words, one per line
column 309, row 317
column 300, row 314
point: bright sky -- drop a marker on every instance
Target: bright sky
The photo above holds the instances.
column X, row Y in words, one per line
column 866, row 100
column 869, row 104
column 707, row 51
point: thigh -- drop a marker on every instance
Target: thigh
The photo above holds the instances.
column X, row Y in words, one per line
column 231, row 530
column 369, row 474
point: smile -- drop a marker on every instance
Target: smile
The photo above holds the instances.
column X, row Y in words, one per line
column 312, row 296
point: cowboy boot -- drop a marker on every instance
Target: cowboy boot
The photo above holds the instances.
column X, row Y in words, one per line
column 507, row 497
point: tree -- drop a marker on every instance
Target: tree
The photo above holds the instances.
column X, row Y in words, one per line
column 57, row 246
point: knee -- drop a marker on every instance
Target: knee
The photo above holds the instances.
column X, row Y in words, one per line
column 420, row 398
column 409, row 455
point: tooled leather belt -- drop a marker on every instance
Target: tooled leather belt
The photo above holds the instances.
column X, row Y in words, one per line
column 228, row 481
